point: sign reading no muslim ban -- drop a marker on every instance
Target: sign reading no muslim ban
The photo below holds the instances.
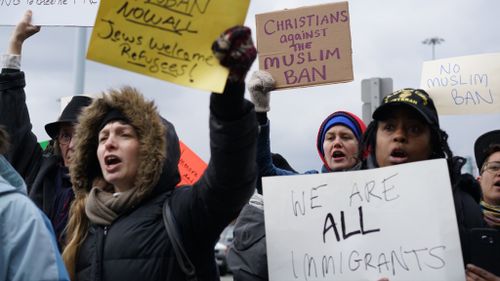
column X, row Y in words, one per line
column 50, row 12
column 464, row 85
column 306, row 46
column 397, row 222
column 166, row 39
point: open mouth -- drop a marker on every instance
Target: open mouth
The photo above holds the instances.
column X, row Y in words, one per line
column 497, row 183
column 111, row 160
column 399, row 156
column 338, row 154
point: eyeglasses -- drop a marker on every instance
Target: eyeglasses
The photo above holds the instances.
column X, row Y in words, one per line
column 492, row 167
column 64, row 137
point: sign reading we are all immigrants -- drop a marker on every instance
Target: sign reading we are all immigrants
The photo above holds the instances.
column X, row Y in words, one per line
column 166, row 39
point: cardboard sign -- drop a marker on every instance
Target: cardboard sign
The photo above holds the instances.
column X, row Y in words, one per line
column 50, row 12
column 306, row 46
column 169, row 40
column 396, row 222
column 464, row 85
column 191, row 166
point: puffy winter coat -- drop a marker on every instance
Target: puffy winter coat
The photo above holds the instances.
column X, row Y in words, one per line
column 135, row 246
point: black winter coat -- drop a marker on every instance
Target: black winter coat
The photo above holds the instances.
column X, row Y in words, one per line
column 26, row 156
column 136, row 245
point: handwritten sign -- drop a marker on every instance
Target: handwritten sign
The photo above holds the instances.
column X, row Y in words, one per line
column 396, row 222
column 306, row 46
column 191, row 166
column 50, row 12
column 169, row 40
column 464, row 85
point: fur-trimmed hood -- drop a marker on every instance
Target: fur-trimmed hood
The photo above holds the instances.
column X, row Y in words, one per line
column 159, row 145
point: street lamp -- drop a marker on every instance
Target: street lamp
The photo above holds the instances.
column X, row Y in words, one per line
column 433, row 41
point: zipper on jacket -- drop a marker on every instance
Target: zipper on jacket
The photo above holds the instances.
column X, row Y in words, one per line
column 106, row 230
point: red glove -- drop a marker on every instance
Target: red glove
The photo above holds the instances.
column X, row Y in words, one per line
column 235, row 50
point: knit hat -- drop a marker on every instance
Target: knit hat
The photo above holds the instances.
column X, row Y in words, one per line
column 69, row 115
column 482, row 144
column 344, row 118
column 414, row 98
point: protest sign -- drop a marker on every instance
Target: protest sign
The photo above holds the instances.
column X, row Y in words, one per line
column 397, row 222
column 50, row 12
column 306, row 46
column 191, row 166
column 464, row 85
column 169, row 40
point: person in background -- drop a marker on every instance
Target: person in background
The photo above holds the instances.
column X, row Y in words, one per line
column 487, row 153
column 338, row 140
column 339, row 147
column 125, row 170
column 405, row 129
column 45, row 172
column 28, row 249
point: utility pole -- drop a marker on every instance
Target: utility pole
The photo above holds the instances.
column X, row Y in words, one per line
column 433, row 41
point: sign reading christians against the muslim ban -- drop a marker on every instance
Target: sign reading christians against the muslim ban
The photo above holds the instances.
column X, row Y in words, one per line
column 166, row 39
column 464, row 85
column 50, row 12
column 306, row 46
column 397, row 222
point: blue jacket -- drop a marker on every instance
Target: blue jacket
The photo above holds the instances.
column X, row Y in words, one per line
column 28, row 248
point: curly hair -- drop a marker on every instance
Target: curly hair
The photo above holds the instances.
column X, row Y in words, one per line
column 439, row 141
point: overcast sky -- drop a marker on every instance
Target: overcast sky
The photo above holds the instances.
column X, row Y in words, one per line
column 387, row 40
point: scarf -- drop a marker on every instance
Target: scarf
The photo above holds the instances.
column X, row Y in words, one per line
column 104, row 207
column 491, row 214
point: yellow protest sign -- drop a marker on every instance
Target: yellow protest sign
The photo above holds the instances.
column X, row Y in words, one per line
column 166, row 39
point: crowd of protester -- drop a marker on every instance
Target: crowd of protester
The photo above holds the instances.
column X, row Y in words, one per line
column 103, row 202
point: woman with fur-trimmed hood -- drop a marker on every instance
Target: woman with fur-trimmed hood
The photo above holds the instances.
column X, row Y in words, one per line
column 125, row 168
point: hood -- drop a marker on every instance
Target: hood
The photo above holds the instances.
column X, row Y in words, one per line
column 159, row 146
column 10, row 180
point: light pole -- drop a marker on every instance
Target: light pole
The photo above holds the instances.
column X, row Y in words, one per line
column 433, row 41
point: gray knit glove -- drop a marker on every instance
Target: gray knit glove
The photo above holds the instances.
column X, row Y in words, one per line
column 259, row 86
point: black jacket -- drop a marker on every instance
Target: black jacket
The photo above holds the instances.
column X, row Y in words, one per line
column 136, row 246
column 26, row 156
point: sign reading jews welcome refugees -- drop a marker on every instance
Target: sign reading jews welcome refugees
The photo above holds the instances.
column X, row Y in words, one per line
column 166, row 39
column 396, row 222
column 464, row 85
column 50, row 12
column 306, row 46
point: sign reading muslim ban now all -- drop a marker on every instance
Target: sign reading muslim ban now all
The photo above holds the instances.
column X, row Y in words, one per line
column 50, row 12
column 396, row 222
column 306, row 46
column 166, row 39
column 464, row 85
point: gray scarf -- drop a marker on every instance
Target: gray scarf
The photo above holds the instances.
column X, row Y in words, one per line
column 104, row 207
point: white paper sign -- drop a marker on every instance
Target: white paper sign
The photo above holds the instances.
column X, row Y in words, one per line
column 50, row 12
column 397, row 222
column 464, row 85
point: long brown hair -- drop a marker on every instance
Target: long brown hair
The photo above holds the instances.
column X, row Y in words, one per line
column 76, row 232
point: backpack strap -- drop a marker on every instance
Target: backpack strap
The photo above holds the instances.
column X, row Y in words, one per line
column 182, row 258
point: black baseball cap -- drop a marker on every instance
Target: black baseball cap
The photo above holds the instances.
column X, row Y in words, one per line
column 415, row 98
column 482, row 144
